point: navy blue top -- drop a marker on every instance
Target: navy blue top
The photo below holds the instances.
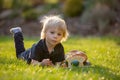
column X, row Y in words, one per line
column 40, row 51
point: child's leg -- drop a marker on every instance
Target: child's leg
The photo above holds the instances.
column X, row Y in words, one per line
column 18, row 39
column 19, row 44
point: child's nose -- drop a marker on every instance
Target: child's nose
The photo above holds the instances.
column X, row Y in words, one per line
column 55, row 36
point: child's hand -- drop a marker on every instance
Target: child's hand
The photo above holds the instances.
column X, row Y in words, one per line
column 61, row 64
column 64, row 65
column 46, row 62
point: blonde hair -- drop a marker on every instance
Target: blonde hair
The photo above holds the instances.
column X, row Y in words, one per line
column 54, row 21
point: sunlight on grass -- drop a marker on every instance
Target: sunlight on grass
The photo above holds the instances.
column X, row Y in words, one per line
column 102, row 52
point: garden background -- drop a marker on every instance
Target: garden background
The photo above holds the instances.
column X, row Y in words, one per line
column 83, row 17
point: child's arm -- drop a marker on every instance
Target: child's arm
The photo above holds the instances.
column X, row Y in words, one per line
column 44, row 62
column 34, row 62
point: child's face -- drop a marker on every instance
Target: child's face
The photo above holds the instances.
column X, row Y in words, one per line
column 53, row 36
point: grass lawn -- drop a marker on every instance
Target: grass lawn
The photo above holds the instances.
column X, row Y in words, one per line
column 102, row 52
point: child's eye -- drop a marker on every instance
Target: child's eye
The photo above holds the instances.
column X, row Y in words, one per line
column 52, row 32
column 59, row 34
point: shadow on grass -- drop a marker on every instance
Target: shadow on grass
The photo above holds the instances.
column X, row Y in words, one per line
column 102, row 71
column 112, row 38
column 116, row 40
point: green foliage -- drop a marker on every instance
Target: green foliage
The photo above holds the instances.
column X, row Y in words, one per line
column 102, row 52
column 51, row 1
column 30, row 15
column 21, row 4
column 1, row 5
column 73, row 7
column 7, row 4
column 13, row 15
column 16, row 4
column 48, row 7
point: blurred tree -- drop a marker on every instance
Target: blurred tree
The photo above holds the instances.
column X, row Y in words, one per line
column 15, row 4
column 7, row 4
column 51, row 1
column 111, row 3
column 1, row 5
column 99, row 15
column 37, row 2
column 21, row 4
column 73, row 7
column 30, row 15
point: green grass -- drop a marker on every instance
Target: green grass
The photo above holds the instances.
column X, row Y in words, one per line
column 102, row 52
